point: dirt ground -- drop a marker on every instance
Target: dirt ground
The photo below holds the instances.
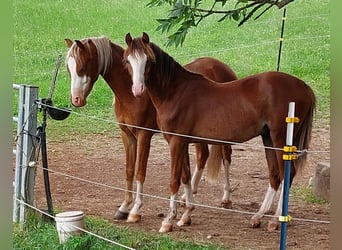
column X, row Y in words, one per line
column 100, row 158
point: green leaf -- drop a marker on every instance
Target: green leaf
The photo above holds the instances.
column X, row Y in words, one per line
column 224, row 17
column 236, row 15
column 177, row 12
column 223, row 2
column 154, row 3
column 176, row 38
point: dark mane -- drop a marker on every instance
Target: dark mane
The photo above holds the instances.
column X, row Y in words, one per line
column 167, row 65
column 161, row 62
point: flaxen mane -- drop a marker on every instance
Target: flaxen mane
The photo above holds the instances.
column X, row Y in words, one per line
column 104, row 51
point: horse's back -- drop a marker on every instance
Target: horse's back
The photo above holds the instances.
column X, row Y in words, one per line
column 285, row 86
column 212, row 68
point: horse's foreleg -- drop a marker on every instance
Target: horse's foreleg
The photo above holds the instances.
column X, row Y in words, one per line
column 134, row 215
column 186, row 217
column 144, row 141
column 177, row 149
column 167, row 222
column 130, row 145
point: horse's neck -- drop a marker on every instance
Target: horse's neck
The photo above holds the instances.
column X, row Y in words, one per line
column 162, row 92
column 168, row 89
column 117, row 76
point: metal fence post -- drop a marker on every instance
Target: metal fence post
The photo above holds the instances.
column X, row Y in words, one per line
column 289, row 155
column 26, row 132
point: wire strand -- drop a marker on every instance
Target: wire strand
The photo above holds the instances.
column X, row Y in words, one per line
column 179, row 201
column 74, row 226
column 209, row 140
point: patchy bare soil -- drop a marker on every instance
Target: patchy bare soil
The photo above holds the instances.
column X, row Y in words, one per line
column 100, row 158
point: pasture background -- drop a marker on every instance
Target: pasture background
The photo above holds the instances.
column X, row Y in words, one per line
column 41, row 26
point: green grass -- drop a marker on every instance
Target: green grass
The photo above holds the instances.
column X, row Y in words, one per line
column 305, row 193
column 40, row 234
column 40, row 27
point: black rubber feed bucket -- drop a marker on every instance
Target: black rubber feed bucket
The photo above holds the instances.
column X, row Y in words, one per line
column 56, row 113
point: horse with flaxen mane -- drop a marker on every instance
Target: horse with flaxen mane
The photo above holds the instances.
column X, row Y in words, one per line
column 189, row 104
column 89, row 58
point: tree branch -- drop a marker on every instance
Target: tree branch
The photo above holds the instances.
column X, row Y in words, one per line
column 188, row 14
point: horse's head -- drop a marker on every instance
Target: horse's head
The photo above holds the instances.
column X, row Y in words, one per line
column 82, row 65
column 138, row 58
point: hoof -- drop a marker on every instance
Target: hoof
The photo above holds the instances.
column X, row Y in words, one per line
column 227, row 204
column 120, row 215
column 272, row 226
column 255, row 222
column 133, row 218
column 165, row 227
column 184, row 222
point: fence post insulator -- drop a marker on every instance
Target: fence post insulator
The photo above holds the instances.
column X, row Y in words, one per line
column 292, row 120
column 290, row 149
column 289, row 157
column 286, row 218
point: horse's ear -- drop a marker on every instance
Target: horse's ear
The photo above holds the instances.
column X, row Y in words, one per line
column 68, row 42
column 128, row 38
column 79, row 44
column 145, row 38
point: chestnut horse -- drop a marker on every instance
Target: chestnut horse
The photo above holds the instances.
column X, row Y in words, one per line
column 189, row 104
column 90, row 57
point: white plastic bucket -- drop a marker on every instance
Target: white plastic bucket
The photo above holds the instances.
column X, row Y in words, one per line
column 65, row 223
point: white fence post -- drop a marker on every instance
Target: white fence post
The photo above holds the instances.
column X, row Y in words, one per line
column 26, row 132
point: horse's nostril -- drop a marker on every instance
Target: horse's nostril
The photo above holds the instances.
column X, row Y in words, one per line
column 76, row 99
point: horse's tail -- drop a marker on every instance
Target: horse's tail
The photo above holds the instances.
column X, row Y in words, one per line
column 214, row 163
column 303, row 136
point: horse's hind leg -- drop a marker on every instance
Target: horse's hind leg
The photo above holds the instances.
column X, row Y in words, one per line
column 130, row 145
column 279, row 140
column 273, row 185
column 227, row 154
column 186, row 174
column 220, row 154
column 273, row 224
column 144, row 142
column 202, row 154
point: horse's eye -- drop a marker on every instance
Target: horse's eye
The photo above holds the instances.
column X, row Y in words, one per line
column 127, row 62
column 83, row 69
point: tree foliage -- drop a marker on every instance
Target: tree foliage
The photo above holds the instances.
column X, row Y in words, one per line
column 186, row 14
